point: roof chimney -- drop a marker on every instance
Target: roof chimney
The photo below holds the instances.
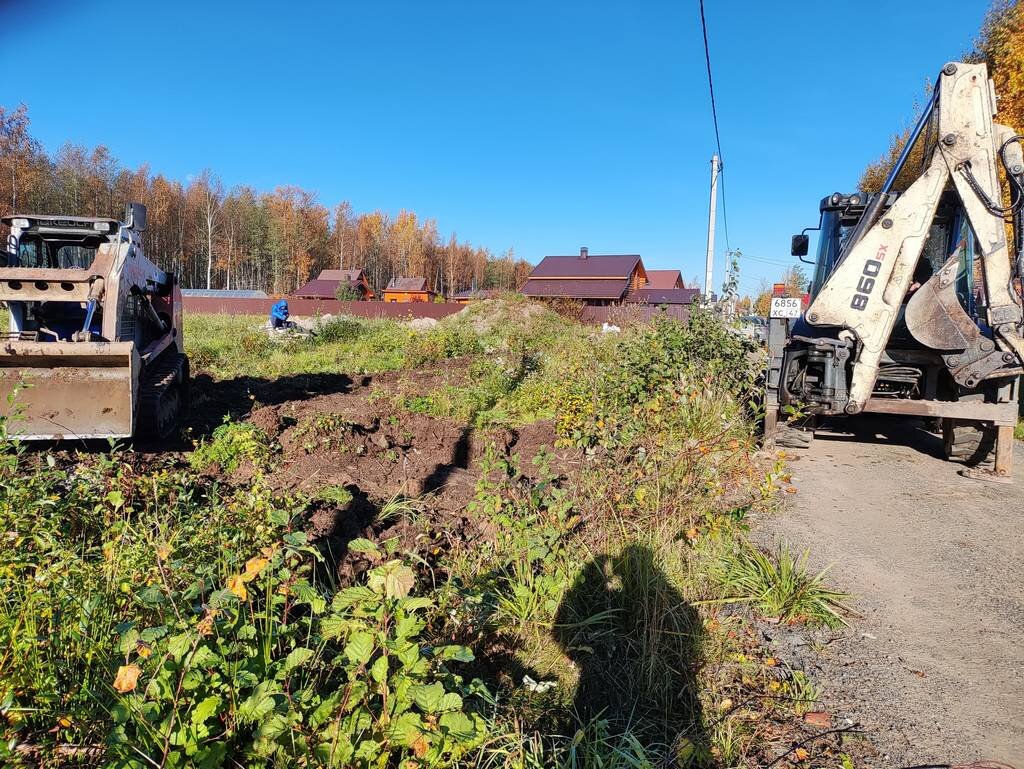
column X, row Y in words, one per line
column 584, row 253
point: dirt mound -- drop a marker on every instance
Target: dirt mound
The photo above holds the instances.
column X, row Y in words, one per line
column 490, row 315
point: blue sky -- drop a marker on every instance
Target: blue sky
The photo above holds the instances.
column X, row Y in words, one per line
column 540, row 126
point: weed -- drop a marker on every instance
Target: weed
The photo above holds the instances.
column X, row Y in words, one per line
column 231, row 444
column 338, row 330
column 322, row 431
column 801, row 692
column 335, row 495
column 780, row 586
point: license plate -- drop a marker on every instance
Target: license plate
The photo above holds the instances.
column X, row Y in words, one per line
column 785, row 308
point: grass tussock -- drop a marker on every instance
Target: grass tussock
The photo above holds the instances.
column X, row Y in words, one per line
column 781, row 586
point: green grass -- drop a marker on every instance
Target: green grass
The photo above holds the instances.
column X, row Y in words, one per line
column 231, row 346
column 781, row 586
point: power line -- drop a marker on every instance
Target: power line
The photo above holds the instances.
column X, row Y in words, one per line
column 714, row 117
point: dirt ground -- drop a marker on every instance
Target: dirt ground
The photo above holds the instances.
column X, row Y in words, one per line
column 934, row 669
column 335, row 431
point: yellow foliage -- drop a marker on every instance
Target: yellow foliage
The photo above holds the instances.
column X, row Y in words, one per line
column 1001, row 45
column 127, row 678
column 236, row 584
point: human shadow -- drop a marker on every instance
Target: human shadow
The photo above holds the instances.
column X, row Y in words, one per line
column 213, row 400
column 638, row 647
column 459, row 460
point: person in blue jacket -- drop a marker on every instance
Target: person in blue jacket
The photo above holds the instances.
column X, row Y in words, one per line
column 279, row 314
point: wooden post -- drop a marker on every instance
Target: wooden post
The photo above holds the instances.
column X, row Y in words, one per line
column 1004, row 451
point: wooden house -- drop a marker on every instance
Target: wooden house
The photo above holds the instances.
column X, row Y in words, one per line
column 599, row 279
column 665, row 279
column 408, row 290
column 325, row 285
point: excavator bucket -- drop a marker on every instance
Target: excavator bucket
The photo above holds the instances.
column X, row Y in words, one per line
column 61, row 390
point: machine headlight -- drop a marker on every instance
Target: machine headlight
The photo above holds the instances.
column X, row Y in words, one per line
column 101, row 226
column 21, row 224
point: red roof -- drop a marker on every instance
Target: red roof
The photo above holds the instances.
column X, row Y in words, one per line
column 663, row 296
column 601, row 288
column 596, row 266
column 408, row 284
column 664, row 279
column 317, row 289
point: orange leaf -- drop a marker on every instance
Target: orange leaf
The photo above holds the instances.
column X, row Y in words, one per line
column 801, row 754
column 420, row 746
column 236, row 584
column 127, row 678
column 253, row 567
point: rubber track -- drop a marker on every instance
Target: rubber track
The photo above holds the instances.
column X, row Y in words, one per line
column 168, row 368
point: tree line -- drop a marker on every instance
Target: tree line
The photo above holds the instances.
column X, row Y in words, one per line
column 240, row 238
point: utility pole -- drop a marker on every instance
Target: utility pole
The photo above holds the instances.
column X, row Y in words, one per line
column 716, row 168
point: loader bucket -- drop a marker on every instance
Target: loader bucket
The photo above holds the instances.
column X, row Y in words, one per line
column 68, row 389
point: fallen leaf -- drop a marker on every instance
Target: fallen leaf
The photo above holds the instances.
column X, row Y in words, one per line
column 236, row 584
column 818, row 718
column 725, row 704
column 801, row 754
column 143, row 649
column 692, row 534
column 205, row 625
column 771, row 662
column 163, row 552
column 791, row 489
column 918, row 673
column 127, row 678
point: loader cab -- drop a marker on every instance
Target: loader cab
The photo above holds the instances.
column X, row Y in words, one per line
column 49, row 260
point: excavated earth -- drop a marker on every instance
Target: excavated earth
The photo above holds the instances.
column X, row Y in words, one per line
column 332, row 430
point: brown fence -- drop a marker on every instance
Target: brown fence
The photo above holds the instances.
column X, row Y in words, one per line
column 626, row 314
column 209, row 305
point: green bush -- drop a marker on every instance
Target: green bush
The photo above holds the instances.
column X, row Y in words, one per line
column 268, row 668
column 440, row 343
column 338, row 330
column 231, row 444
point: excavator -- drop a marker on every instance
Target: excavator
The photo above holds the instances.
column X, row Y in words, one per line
column 94, row 346
column 915, row 300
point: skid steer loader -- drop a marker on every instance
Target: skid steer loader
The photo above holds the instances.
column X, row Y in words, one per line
column 94, row 347
column 915, row 304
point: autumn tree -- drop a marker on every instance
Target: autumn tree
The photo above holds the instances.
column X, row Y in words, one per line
column 206, row 197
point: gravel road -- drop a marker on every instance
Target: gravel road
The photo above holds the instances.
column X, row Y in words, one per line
column 934, row 668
